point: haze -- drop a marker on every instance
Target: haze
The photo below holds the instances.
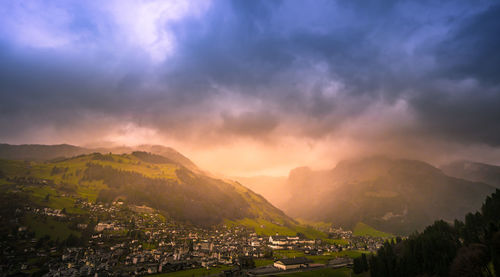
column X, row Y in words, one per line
column 255, row 87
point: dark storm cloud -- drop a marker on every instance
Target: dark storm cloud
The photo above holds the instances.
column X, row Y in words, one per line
column 471, row 50
column 465, row 106
column 316, row 65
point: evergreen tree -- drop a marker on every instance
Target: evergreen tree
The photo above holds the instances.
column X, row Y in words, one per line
column 464, row 249
column 364, row 262
column 357, row 266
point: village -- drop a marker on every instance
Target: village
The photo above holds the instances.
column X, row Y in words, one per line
column 137, row 240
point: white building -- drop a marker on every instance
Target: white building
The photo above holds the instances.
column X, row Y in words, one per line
column 278, row 240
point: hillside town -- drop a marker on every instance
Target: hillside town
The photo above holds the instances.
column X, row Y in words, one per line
column 137, row 240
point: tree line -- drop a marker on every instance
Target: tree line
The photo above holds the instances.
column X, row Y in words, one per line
column 464, row 248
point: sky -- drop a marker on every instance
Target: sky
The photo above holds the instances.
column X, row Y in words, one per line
column 255, row 87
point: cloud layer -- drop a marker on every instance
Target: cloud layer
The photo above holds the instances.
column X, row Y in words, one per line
column 282, row 83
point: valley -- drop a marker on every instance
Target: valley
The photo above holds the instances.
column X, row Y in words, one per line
column 142, row 213
column 243, row 138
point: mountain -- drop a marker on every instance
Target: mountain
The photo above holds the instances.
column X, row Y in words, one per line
column 474, row 171
column 393, row 195
column 138, row 178
column 38, row 152
column 170, row 153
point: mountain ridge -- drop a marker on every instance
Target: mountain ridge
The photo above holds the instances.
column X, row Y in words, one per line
column 393, row 195
column 474, row 171
column 41, row 152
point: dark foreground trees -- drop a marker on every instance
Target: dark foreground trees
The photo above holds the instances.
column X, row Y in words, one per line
column 470, row 248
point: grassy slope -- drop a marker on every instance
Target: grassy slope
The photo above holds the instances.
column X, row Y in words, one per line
column 68, row 186
column 263, row 262
column 70, row 175
column 260, row 207
column 67, row 176
column 56, row 199
column 362, row 229
column 49, row 227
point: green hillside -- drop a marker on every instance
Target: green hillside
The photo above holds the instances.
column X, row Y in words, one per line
column 362, row 229
column 41, row 153
column 139, row 178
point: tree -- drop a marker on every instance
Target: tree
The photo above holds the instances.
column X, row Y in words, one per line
column 495, row 251
column 72, row 240
column 471, row 260
column 357, row 266
column 463, row 249
column 491, row 207
column 360, row 264
column 246, row 262
column 268, row 252
column 364, row 262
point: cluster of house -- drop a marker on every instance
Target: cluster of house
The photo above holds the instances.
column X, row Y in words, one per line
column 133, row 242
column 339, row 233
column 366, row 243
column 174, row 249
column 139, row 241
column 278, row 242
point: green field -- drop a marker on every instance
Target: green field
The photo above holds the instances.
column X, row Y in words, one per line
column 263, row 262
column 49, row 227
column 336, row 241
column 362, row 229
column 55, row 201
column 320, row 259
column 133, row 164
column 195, row 272
column 90, row 190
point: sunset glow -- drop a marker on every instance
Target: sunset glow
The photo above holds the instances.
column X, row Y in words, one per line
column 244, row 88
column 239, row 138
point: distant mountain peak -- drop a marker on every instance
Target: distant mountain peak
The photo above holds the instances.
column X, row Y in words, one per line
column 369, row 189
